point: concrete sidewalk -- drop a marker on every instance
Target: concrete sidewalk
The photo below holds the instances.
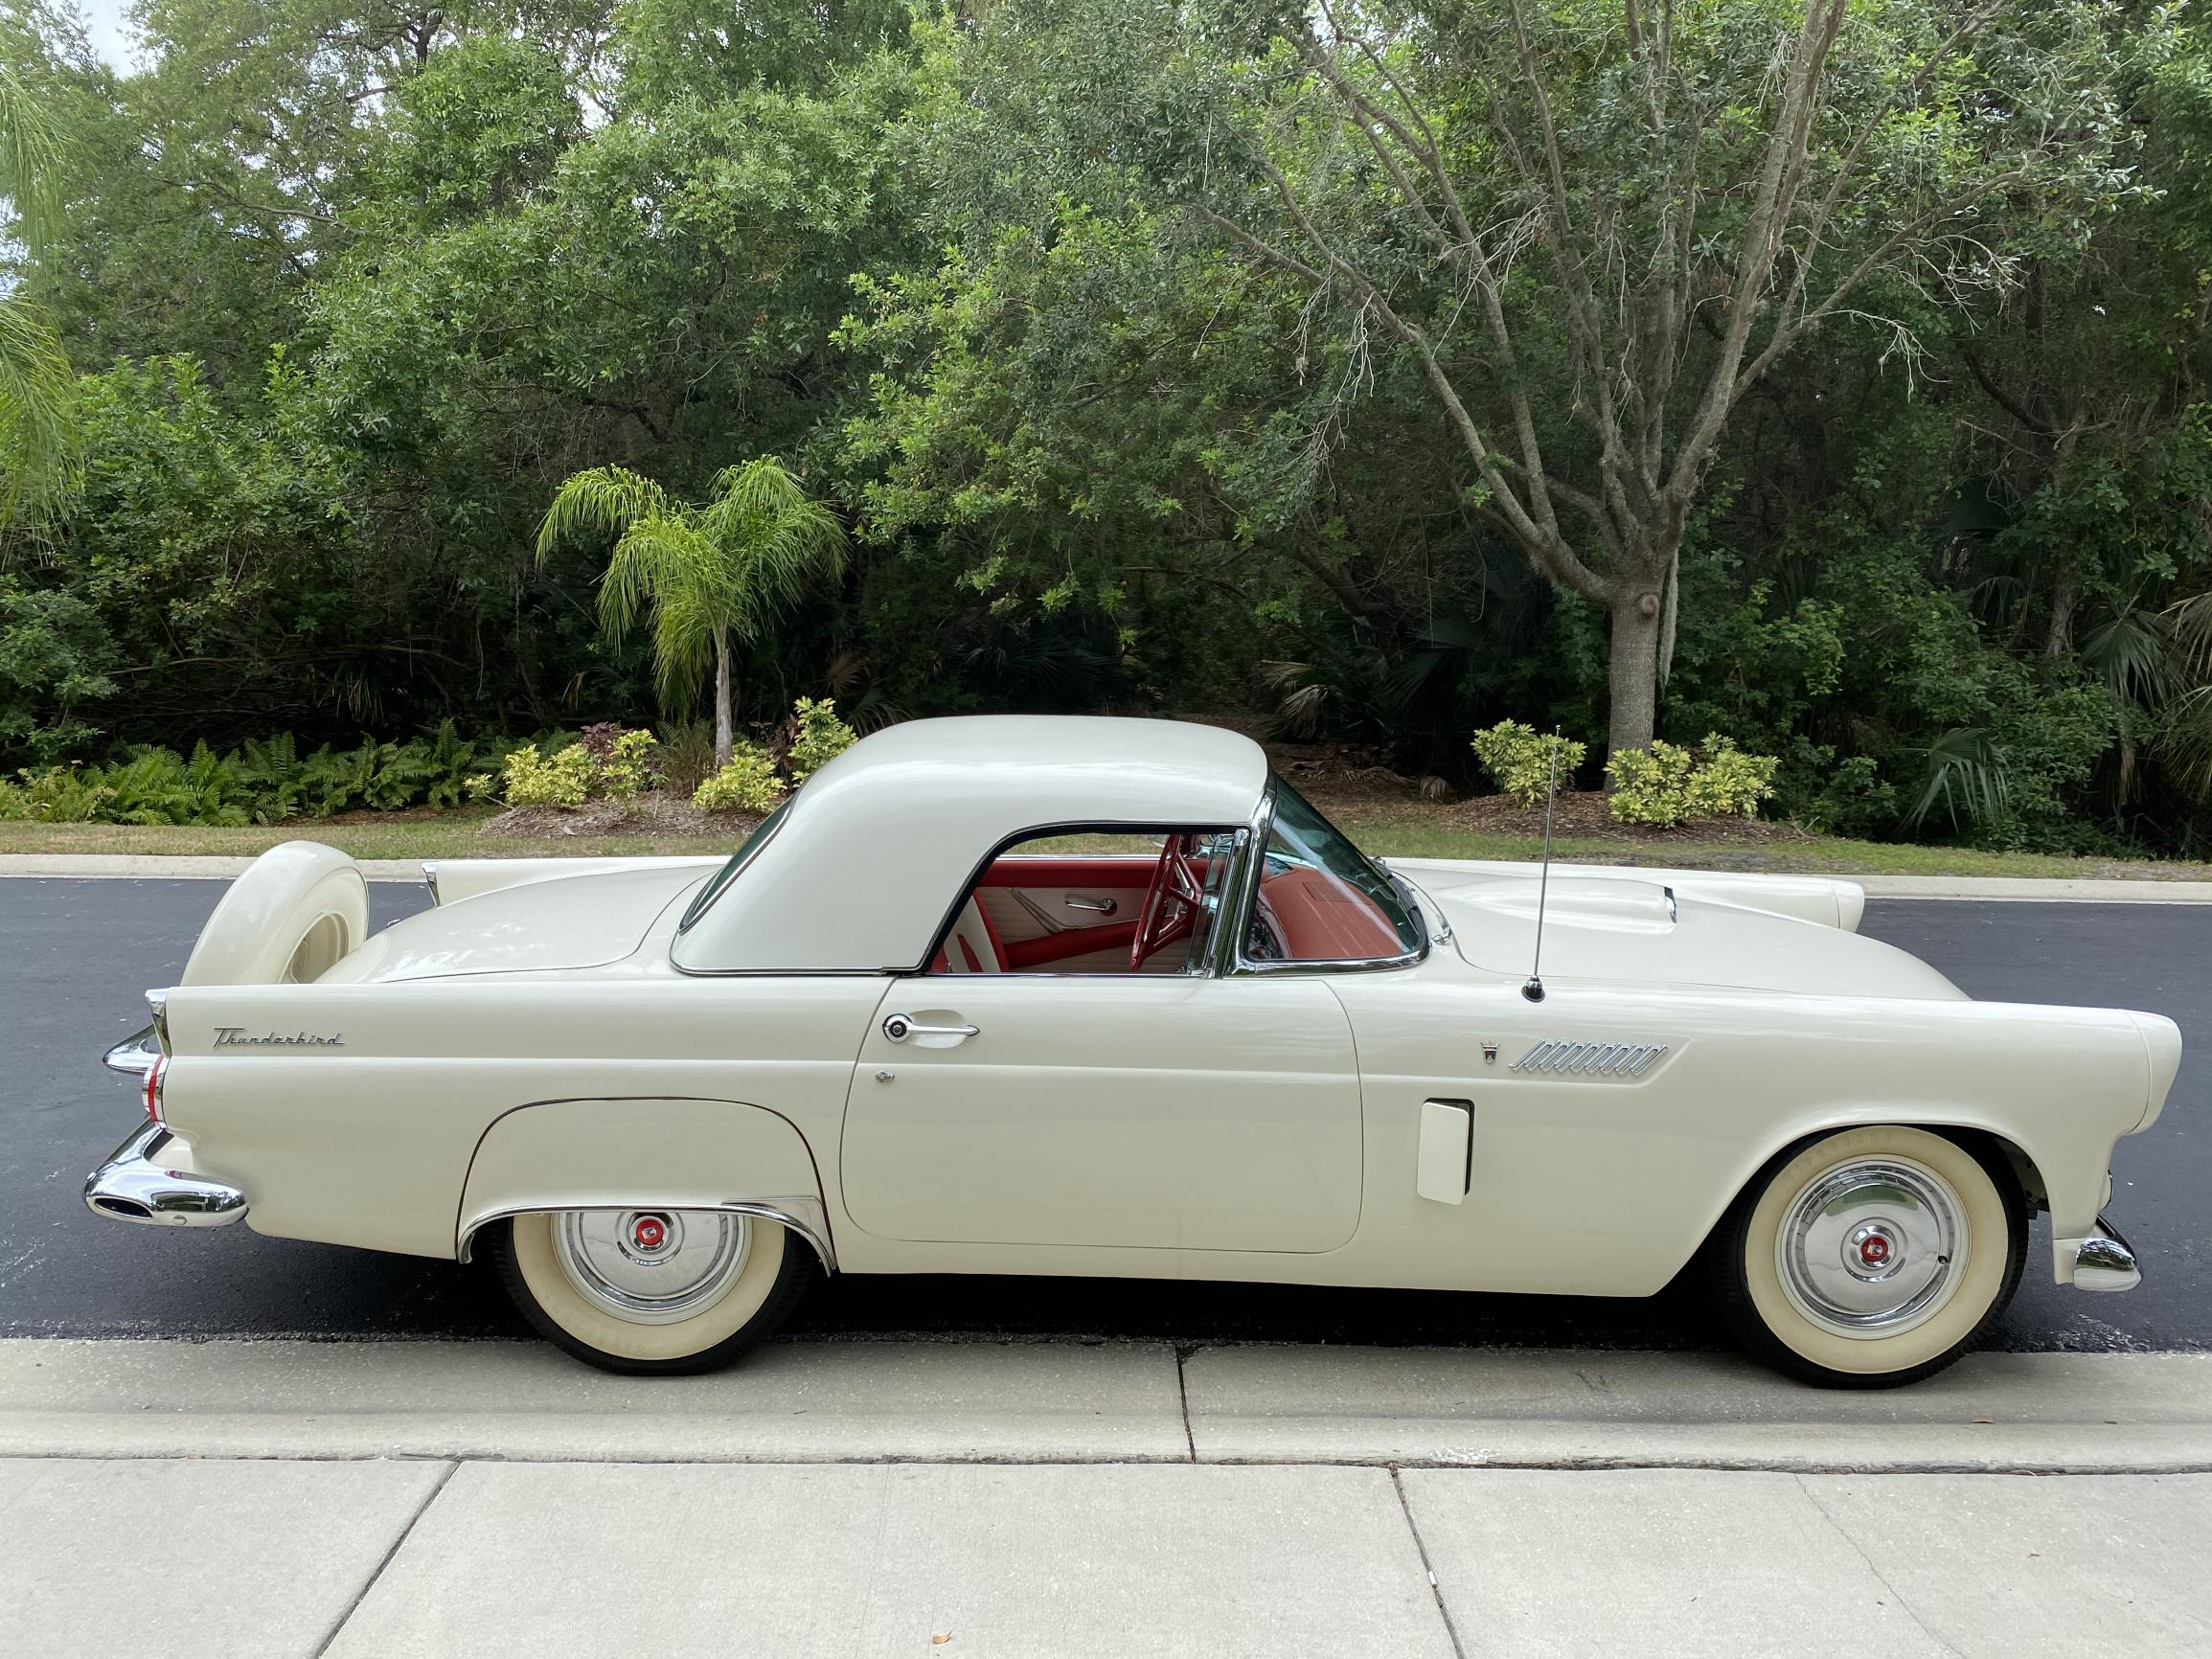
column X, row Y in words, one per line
column 1038, row 1499
column 971, row 1401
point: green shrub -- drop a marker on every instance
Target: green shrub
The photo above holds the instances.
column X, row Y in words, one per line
column 622, row 762
column 264, row 782
column 565, row 778
column 56, row 795
column 1729, row 782
column 748, row 783
column 1519, row 759
column 604, row 764
column 1651, row 786
column 1664, row 785
column 821, row 737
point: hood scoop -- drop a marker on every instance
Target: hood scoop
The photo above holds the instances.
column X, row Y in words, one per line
column 1586, row 901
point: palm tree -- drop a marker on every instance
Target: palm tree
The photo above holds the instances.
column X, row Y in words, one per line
column 712, row 576
column 41, row 467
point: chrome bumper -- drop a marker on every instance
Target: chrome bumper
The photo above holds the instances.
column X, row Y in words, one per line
column 2104, row 1262
column 131, row 1186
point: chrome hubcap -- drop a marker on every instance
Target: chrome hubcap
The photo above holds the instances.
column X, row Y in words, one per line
column 1872, row 1248
column 651, row 1266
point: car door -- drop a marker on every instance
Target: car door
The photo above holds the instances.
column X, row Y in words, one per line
column 1168, row 1112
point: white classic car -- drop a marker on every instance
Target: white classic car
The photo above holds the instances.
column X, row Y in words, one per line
column 1103, row 996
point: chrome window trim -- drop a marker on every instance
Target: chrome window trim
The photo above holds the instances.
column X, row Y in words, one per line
column 1255, row 864
column 1417, row 900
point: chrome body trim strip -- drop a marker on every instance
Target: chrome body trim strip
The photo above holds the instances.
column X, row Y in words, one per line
column 132, row 1186
column 807, row 1217
column 430, row 879
column 2105, row 1261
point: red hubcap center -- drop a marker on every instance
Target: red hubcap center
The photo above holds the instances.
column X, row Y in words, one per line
column 649, row 1233
column 1875, row 1251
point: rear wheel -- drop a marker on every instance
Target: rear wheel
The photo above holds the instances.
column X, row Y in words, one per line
column 651, row 1291
column 1871, row 1257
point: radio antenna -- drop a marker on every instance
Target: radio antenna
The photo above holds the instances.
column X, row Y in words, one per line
column 1533, row 989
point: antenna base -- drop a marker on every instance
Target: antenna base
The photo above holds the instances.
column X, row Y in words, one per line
column 1533, row 989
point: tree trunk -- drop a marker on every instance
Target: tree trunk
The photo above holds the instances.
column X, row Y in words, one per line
column 725, row 723
column 1634, row 669
column 2059, row 638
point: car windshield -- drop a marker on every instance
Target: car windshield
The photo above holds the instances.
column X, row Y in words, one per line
column 763, row 831
column 1323, row 898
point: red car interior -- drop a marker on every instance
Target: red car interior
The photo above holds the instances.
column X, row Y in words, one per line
column 1317, row 916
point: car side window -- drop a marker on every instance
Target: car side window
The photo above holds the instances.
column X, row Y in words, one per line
column 1106, row 901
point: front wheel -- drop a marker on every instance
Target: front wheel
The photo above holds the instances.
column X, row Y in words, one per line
column 651, row 1292
column 1871, row 1257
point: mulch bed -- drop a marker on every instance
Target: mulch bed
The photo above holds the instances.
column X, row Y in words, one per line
column 643, row 815
column 1587, row 814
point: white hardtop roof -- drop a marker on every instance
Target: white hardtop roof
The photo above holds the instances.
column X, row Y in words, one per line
column 872, row 853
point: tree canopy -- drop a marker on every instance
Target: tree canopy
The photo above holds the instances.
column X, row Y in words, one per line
column 1826, row 374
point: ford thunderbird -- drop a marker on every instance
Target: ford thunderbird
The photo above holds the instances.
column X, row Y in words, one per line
column 1104, row 997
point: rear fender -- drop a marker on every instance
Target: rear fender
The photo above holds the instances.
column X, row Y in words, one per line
column 660, row 1155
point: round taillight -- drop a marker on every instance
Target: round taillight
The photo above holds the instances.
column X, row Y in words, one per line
column 154, row 1086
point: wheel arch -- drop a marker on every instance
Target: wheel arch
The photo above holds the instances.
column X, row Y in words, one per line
column 1971, row 1129
column 677, row 1153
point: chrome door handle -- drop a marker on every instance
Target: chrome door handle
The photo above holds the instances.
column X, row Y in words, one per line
column 899, row 1027
column 1102, row 906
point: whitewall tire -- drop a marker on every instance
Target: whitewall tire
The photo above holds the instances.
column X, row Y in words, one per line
column 1871, row 1257
column 645, row 1291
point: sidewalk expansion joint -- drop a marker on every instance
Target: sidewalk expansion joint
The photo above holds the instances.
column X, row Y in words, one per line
column 406, row 1531
column 1420, row 1548
column 1881, row 1577
column 1183, row 1352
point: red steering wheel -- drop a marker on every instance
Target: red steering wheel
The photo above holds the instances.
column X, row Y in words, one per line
column 1171, row 903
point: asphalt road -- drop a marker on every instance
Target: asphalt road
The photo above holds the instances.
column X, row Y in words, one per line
column 74, row 955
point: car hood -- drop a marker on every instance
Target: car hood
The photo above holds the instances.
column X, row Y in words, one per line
column 1600, row 927
column 566, row 922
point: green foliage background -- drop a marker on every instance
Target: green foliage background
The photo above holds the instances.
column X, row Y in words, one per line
column 351, row 286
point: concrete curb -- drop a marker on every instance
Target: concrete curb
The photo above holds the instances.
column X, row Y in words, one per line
column 150, row 867
column 2133, row 890
column 802, row 1402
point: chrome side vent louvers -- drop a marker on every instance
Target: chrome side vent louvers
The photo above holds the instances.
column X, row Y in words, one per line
column 1591, row 1059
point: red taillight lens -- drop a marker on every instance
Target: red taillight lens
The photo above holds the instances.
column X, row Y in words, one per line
column 154, row 1087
